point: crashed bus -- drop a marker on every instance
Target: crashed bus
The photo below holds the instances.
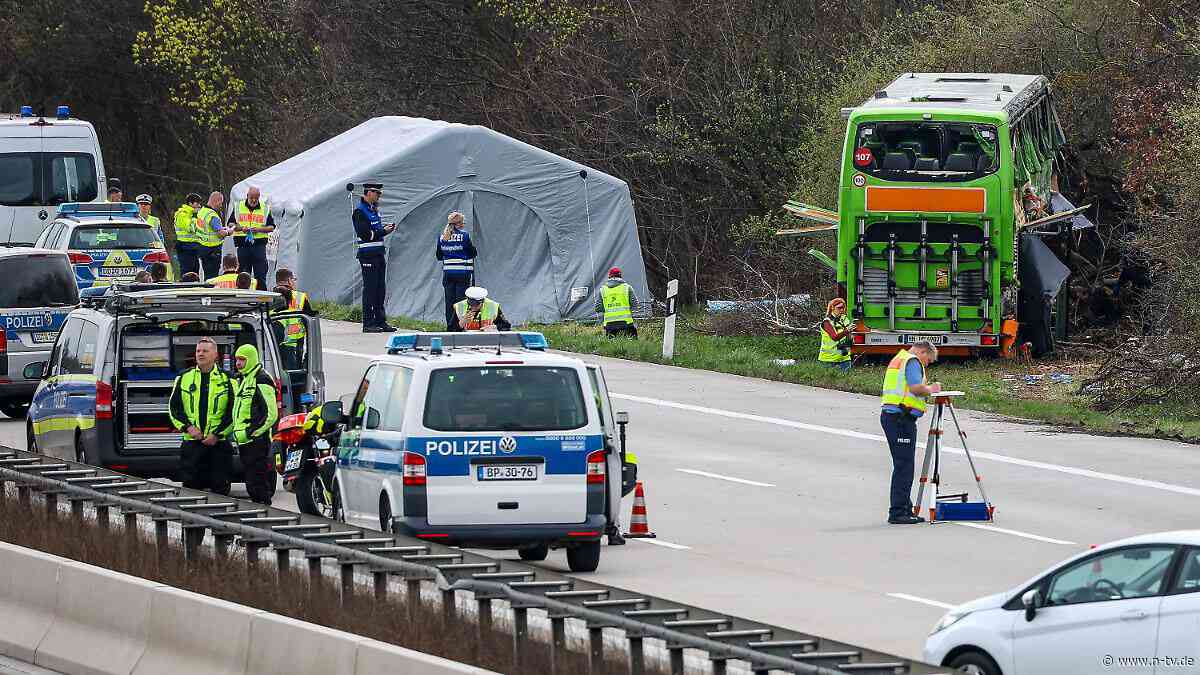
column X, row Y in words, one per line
column 947, row 200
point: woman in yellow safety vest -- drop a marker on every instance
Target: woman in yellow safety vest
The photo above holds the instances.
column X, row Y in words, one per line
column 835, row 336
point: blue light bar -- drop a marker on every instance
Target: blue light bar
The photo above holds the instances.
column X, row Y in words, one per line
column 63, row 112
column 402, row 342
column 533, row 340
column 92, row 209
column 26, row 111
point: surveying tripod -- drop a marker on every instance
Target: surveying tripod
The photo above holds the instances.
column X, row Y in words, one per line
column 952, row 506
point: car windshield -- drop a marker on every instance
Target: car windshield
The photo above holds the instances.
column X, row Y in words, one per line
column 926, row 151
column 37, row 281
column 113, row 237
column 504, row 398
column 47, row 178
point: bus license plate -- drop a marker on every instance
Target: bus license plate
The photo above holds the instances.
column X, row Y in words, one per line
column 910, row 339
column 293, row 461
column 508, row 472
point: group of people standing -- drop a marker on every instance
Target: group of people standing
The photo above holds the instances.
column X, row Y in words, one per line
column 467, row 306
column 200, row 233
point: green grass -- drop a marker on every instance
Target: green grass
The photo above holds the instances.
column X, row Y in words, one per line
column 984, row 379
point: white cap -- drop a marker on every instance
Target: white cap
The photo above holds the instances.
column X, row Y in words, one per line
column 144, row 199
column 476, row 293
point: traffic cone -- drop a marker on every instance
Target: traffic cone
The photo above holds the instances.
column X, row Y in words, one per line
column 639, row 528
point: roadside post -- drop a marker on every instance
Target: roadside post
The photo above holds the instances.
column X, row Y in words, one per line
column 669, row 326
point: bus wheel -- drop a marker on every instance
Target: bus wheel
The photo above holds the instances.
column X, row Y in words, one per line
column 585, row 557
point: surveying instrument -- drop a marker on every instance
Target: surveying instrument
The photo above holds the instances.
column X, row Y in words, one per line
column 948, row 507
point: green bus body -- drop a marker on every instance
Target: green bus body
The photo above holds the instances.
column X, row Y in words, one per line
column 942, row 271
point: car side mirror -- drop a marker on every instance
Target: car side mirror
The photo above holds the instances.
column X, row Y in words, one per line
column 331, row 412
column 35, row 371
column 1032, row 600
column 622, row 417
column 372, row 419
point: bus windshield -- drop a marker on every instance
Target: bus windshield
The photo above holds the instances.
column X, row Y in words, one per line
column 926, row 151
column 521, row 398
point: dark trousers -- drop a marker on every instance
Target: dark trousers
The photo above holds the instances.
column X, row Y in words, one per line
column 210, row 260
column 613, row 330
column 901, row 433
column 374, row 273
column 260, row 473
column 455, row 287
column 252, row 259
column 205, row 467
column 188, row 259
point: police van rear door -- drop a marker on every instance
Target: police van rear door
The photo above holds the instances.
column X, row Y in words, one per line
column 507, row 443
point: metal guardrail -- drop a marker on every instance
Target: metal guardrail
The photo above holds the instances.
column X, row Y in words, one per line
column 722, row 637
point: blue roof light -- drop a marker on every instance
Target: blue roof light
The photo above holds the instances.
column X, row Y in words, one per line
column 533, row 340
column 402, row 342
column 94, row 209
column 26, row 111
column 63, row 112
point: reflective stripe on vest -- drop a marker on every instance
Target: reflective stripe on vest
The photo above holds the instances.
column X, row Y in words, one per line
column 486, row 316
column 895, row 383
column 453, row 259
column 219, row 391
column 205, row 236
column 185, row 225
column 294, row 328
column 616, row 304
column 227, row 280
column 247, row 218
column 829, row 347
column 376, row 224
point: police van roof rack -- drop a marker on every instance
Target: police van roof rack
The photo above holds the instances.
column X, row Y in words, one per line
column 402, row 342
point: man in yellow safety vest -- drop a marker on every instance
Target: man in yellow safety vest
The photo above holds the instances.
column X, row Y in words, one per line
column 478, row 312
column 292, row 343
column 229, row 272
column 209, row 235
column 616, row 302
column 903, row 401
column 252, row 223
column 185, row 235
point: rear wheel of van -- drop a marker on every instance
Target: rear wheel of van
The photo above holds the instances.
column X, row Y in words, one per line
column 535, row 553
column 385, row 513
column 585, row 557
column 14, row 409
column 80, row 454
column 30, row 439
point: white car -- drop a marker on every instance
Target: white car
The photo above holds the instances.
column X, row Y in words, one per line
column 1130, row 606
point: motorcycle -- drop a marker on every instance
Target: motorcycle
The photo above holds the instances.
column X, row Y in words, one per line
column 306, row 461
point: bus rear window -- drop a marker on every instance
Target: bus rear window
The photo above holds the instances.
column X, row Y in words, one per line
column 926, row 151
column 504, row 398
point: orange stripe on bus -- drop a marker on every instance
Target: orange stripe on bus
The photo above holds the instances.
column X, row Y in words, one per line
column 939, row 200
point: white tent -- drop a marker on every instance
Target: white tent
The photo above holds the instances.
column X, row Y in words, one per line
column 547, row 229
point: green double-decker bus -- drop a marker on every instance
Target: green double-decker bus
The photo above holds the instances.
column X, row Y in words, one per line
column 947, row 182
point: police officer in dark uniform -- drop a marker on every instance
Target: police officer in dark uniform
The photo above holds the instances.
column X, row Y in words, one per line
column 371, row 230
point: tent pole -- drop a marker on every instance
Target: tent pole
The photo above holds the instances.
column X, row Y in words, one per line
column 587, row 207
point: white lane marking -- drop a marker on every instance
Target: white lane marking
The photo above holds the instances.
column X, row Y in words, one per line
column 1017, row 533
column 923, row 601
column 1005, row 459
column 728, row 478
column 664, row 544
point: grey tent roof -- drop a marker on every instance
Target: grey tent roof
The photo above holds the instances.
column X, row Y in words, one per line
column 544, row 224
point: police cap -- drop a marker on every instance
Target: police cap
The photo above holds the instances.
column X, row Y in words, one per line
column 476, row 294
column 378, row 187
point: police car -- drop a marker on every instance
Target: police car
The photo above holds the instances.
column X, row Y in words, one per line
column 480, row 440
column 106, row 242
column 36, row 295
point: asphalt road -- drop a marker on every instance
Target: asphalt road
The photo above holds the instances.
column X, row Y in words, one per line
column 769, row 500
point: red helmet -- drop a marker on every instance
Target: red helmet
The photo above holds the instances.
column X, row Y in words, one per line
column 614, row 272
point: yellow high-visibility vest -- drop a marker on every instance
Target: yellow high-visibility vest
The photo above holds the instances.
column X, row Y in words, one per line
column 895, row 383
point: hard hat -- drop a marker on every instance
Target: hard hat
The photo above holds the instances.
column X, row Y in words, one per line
column 144, row 199
column 614, row 272
column 476, row 293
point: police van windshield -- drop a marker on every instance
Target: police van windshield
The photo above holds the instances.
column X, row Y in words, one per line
column 504, row 398
column 47, row 178
column 113, row 237
column 37, row 281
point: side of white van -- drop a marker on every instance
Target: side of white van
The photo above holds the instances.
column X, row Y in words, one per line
column 44, row 162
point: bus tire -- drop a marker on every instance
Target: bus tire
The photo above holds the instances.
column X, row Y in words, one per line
column 584, row 557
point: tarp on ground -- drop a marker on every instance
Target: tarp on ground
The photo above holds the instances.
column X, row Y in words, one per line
column 547, row 228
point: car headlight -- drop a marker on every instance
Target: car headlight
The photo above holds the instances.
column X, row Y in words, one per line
column 949, row 619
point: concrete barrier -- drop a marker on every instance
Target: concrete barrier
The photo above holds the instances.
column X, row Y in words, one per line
column 28, row 593
column 376, row 657
column 101, row 622
column 192, row 634
column 282, row 645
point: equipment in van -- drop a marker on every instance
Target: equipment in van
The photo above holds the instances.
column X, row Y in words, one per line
column 948, row 507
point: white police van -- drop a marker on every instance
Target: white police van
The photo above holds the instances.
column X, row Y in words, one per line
column 478, row 440
column 45, row 162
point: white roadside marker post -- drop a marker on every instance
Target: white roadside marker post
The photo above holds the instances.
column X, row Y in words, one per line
column 669, row 326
